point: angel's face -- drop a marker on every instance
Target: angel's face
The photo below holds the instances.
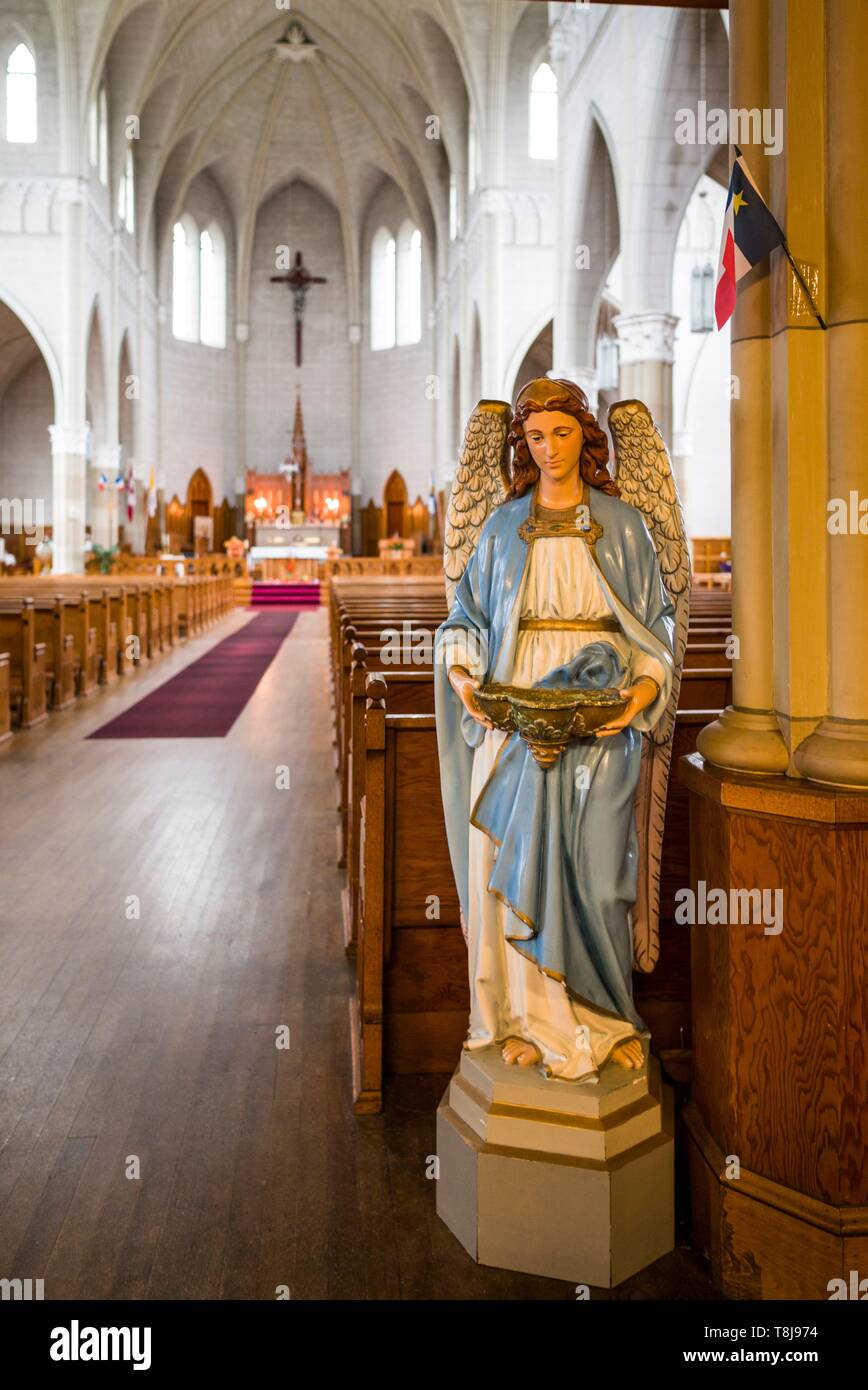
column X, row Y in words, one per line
column 555, row 443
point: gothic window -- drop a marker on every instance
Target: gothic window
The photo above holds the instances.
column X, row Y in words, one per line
column 543, row 123
column 127, row 194
column 383, row 287
column 409, row 295
column 212, row 287
column 185, row 280
column 453, row 208
column 97, row 134
column 102, row 135
column 702, row 298
column 472, row 155
column 21, row 96
column 93, row 134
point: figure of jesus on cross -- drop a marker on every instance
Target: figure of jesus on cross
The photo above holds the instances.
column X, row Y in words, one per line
column 299, row 280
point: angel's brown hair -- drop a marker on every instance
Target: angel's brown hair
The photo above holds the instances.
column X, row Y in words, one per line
column 565, row 396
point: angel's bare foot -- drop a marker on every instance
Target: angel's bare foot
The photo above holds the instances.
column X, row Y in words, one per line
column 517, row 1050
column 630, row 1055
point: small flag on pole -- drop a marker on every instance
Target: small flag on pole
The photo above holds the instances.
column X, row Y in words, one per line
column 103, row 482
column 120, row 483
column 749, row 233
column 131, row 494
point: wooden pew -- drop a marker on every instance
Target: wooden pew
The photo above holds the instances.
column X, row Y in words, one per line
column 412, row 1001
column 27, row 679
column 5, row 697
column 407, row 692
column 62, row 636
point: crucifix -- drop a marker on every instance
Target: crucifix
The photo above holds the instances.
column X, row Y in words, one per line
column 299, row 280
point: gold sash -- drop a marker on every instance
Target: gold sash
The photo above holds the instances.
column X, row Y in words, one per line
column 603, row 624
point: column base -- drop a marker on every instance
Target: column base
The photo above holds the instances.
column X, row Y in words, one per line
column 565, row 1180
column 778, row 1181
column 747, row 741
column 835, row 754
column 765, row 1240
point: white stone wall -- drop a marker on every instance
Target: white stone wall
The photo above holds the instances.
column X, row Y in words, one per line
column 300, row 218
column 398, row 403
column 26, row 411
column 198, row 426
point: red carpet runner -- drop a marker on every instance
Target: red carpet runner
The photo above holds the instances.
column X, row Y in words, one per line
column 269, row 593
column 204, row 700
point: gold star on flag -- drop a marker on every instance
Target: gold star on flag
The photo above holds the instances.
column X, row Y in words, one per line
column 738, row 202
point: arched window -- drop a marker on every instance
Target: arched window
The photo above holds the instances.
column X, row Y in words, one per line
column 21, row 96
column 93, row 134
column 212, row 287
column 472, row 155
column 409, row 284
column 543, row 124
column 185, row 280
column 702, row 298
column 102, row 135
column 383, row 290
column 453, row 208
column 127, row 194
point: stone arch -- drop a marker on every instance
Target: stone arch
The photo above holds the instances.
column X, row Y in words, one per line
column 127, row 396
column 523, row 347
column 455, row 399
column 96, row 377
column 537, row 361
column 598, row 237
column 476, row 358
column 26, row 414
column 665, row 186
column 40, row 338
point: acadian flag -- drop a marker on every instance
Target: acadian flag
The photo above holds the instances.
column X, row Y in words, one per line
column 152, row 494
column 119, row 482
column 749, row 233
column 103, row 482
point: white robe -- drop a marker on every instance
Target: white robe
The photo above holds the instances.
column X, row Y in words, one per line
column 510, row 996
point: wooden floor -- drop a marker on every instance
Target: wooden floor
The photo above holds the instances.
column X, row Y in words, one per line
column 152, row 1036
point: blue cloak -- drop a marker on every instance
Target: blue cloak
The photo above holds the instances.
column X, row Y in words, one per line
column 567, row 850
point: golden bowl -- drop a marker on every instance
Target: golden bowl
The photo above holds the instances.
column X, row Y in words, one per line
column 549, row 719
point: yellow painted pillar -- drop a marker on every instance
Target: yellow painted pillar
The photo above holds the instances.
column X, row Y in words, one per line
column 799, row 437
column 747, row 737
column 837, row 751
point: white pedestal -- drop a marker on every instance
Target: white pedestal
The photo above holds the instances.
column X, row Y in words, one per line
column 569, row 1181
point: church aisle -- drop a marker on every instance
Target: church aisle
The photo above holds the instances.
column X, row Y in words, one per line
column 172, row 909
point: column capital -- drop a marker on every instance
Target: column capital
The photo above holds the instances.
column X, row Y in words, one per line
column 648, row 337
column 69, row 439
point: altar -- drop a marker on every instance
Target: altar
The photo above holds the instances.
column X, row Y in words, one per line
column 295, row 540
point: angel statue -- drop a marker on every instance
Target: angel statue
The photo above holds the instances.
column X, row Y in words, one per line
column 558, row 574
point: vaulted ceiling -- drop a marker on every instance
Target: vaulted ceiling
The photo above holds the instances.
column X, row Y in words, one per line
column 336, row 92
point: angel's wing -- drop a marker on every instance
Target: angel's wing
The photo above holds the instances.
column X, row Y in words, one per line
column 480, row 485
column 644, row 475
